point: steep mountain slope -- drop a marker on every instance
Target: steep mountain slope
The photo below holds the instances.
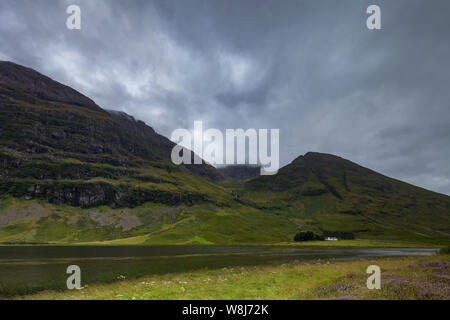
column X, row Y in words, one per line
column 77, row 153
column 326, row 192
column 30, row 85
column 61, row 155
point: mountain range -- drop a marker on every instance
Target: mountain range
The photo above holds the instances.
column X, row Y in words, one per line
column 71, row 171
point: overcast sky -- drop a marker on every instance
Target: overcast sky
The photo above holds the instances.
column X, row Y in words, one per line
column 380, row 98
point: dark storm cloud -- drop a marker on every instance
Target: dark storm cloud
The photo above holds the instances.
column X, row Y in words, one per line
column 310, row 68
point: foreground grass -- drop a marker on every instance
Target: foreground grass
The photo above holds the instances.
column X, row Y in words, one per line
column 402, row 278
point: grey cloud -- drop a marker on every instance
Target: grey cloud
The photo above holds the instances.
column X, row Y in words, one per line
column 310, row 68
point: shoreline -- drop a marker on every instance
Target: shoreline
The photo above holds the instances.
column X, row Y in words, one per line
column 358, row 243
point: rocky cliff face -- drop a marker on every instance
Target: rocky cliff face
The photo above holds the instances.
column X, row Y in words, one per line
column 58, row 145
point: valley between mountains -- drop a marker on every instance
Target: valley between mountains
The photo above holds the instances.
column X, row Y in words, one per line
column 73, row 172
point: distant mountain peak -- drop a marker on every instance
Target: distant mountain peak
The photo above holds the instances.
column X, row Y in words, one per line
column 312, row 154
column 19, row 78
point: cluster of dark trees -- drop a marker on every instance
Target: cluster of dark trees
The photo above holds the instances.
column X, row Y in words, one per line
column 308, row 236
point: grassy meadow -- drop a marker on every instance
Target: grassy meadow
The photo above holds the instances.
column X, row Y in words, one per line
column 401, row 278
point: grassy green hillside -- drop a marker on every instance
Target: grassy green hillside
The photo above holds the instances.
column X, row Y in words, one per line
column 324, row 192
column 38, row 221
